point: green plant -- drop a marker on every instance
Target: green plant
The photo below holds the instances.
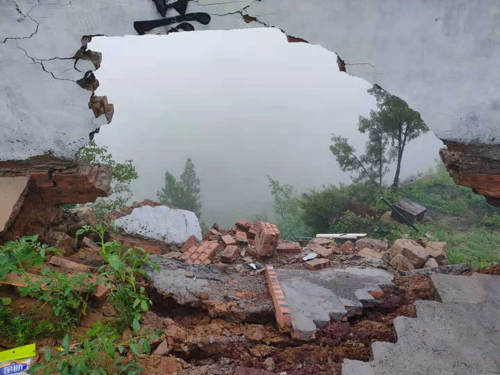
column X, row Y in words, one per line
column 123, row 175
column 17, row 256
column 24, row 328
column 351, row 223
column 63, row 293
column 120, row 271
column 100, row 352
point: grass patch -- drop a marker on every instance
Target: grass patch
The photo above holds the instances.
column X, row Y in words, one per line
column 478, row 246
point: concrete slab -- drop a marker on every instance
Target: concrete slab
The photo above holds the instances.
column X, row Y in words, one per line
column 315, row 298
column 459, row 336
column 12, row 192
column 477, row 288
column 230, row 294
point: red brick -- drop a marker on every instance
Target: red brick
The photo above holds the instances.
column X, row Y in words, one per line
column 281, row 308
column 191, row 241
column 241, row 237
column 228, row 240
column 197, row 261
column 289, row 247
column 317, row 264
column 229, row 254
column 203, row 256
column 243, row 225
column 68, row 264
column 267, row 240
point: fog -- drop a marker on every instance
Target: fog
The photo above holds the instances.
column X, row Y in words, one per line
column 243, row 105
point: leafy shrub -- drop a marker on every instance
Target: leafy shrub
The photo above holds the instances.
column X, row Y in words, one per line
column 350, row 223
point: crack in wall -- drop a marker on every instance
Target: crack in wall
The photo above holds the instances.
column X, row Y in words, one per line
column 38, row 61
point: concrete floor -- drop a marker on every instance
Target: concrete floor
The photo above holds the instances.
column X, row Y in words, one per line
column 458, row 336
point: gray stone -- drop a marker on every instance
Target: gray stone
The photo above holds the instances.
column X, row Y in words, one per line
column 315, row 298
column 450, row 269
column 415, row 253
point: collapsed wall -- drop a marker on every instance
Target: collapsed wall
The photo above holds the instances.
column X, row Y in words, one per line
column 436, row 55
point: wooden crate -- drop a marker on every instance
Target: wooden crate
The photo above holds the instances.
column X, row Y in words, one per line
column 411, row 210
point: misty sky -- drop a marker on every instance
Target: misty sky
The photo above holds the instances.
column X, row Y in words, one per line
column 243, row 105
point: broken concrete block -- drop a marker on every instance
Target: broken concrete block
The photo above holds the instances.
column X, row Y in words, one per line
column 266, row 240
column 401, row 263
column 415, row 253
column 13, row 191
column 241, row 237
column 322, row 252
column 161, row 223
column 191, row 241
column 288, row 247
column 317, row 264
column 68, row 264
column 229, row 254
column 437, row 250
column 372, row 243
column 228, row 240
column 431, row 263
column 370, row 253
column 173, row 255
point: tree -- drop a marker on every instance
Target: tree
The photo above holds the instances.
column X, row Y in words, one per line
column 389, row 130
column 123, row 175
column 184, row 193
column 398, row 121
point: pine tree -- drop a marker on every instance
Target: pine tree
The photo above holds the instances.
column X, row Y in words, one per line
column 184, row 193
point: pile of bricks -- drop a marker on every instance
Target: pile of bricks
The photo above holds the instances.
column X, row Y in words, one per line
column 201, row 253
column 266, row 240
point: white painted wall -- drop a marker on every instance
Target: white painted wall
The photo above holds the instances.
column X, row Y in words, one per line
column 441, row 56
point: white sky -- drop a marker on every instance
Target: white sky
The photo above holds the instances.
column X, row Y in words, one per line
column 242, row 104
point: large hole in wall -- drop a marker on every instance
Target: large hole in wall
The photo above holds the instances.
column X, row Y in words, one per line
column 243, row 105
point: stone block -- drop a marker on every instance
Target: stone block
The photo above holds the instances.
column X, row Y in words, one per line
column 431, row 263
column 348, row 247
column 370, row 253
column 322, row 252
column 317, row 264
column 162, row 349
column 229, row 254
column 415, row 253
column 400, row 263
column 422, row 241
column 437, row 250
column 372, row 243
